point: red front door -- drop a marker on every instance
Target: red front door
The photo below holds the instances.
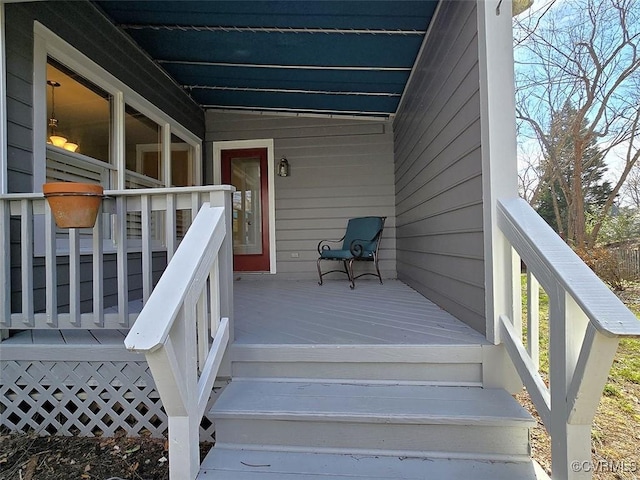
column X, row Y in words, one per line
column 247, row 171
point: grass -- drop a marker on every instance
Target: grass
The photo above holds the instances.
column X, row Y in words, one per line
column 615, row 433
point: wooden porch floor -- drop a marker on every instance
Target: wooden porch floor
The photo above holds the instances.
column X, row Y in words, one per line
column 303, row 312
column 280, row 312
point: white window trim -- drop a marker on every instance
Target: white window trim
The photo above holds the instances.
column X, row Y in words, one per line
column 217, row 149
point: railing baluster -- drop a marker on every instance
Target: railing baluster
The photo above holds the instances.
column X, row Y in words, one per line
column 122, row 260
column 195, row 205
column 5, row 264
column 26, row 249
column 147, row 270
column 98, row 271
column 51, row 267
column 74, row 276
column 202, row 325
column 214, row 295
column 533, row 319
column 170, row 232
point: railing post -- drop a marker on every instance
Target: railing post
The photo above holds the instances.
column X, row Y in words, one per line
column 98, row 271
column 184, row 450
column 51, row 267
column 5, row 264
column 26, row 262
column 122, row 259
column 224, row 198
column 570, row 443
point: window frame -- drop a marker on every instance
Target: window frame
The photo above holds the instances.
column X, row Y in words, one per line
column 48, row 44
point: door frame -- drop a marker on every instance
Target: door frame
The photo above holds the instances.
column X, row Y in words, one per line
column 267, row 143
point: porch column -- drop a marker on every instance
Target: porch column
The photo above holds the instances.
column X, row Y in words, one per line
column 499, row 160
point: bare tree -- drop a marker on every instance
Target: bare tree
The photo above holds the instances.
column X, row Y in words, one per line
column 631, row 189
column 585, row 54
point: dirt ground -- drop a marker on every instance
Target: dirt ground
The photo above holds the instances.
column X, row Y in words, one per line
column 615, row 440
column 29, row 457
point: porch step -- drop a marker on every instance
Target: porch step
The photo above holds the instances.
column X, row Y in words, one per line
column 246, row 464
column 381, row 419
column 454, row 365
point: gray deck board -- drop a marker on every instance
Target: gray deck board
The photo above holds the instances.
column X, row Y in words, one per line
column 302, row 312
column 96, row 337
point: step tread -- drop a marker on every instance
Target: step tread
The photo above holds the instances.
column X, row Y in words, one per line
column 377, row 403
column 247, row 464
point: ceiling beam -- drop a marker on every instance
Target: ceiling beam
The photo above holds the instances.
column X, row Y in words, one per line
column 302, row 111
column 286, row 90
column 292, row 67
column 217, row 28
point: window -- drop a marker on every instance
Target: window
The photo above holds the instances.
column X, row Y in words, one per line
column 142, row 134
column 91, row 127
column 104, row 131
column 183, row 173
column 78, row 113
column 79, row 121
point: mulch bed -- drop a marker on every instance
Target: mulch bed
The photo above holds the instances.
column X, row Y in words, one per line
column 30, row 457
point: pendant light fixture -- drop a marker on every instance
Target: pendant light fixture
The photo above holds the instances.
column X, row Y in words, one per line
column 54, row 138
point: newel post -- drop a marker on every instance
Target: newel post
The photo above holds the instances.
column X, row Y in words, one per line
column 580, row 358
column 223, row 198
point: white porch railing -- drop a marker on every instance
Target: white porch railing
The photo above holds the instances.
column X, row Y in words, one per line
column 183, row 337
column 59, row 275
column 586, row 321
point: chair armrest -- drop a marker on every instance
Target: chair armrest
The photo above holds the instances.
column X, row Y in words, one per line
column 322, row 245
column 357, row 246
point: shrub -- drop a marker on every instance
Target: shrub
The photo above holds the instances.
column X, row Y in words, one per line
column 604, row 262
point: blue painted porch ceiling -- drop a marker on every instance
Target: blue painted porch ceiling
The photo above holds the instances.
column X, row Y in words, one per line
column 309, row 56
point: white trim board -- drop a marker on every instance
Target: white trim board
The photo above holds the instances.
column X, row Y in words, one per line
column 267, row 143
column 499, row 169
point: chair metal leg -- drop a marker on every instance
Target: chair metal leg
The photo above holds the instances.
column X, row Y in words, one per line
column 352, row 283
column 319, row 272
column 375, row 262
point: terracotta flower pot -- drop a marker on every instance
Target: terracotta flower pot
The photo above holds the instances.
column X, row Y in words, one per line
column 74, row 205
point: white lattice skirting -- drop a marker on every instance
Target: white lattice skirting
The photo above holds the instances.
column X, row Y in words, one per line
column 101, row 398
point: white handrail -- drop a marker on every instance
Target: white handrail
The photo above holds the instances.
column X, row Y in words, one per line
column 543, row 250
column 181, row 334
column 586, row 321
column 186, row 270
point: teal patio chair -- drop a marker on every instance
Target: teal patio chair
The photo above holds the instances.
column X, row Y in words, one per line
column 361, row 242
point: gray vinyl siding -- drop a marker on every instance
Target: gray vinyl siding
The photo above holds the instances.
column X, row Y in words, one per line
column 438, row 170
column 84, row 27
column 339, row 169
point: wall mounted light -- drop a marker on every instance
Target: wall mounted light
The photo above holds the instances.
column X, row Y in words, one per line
column 283, row 167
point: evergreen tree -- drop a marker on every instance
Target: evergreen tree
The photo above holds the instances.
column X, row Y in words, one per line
column 558, row 189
